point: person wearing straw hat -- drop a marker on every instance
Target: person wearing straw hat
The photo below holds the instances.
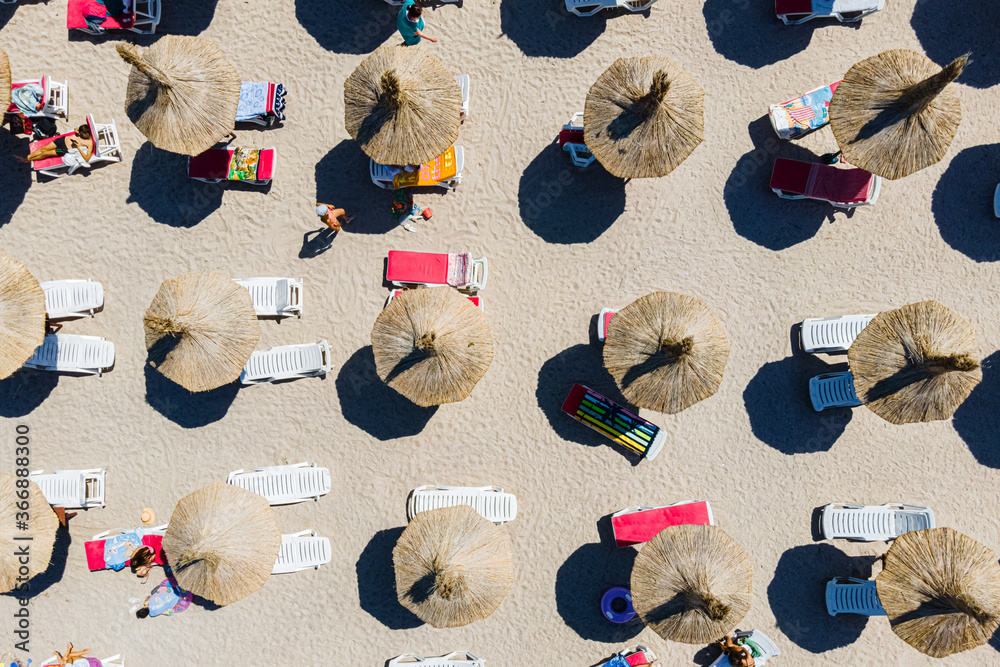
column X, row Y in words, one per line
column 410, row 23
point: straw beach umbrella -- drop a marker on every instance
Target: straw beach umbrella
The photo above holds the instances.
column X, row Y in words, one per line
column 667, row 351
column 41, row 525
column 5, row 80
column 402, row 105
column 22, row 315
column 200, row 330
column 182, row 93
column 643, row 117
column 453, row 567
column 916, row 363
column 692, row 584
column 894, row 113
column 222, row 542
column 941, row 591
column 432, row 345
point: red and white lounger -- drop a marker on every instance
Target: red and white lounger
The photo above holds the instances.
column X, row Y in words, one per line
column 54, row 93
column 844, row 188
column 108, row 149
column 143, row 17
column 603, row 322
column 794, row 12
column 444, row 171
column 571, row 140
column 636, row 525
column 460, row 270
column 476, row 300
column 95, row 547
column 250, row 165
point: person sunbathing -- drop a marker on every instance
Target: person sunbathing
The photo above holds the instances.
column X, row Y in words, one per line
column 81, row 141
column 739, row 655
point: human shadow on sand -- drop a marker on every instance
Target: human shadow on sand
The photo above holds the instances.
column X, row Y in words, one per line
column 797, row 595
column 15, row 177
column 377, row 582
column 372, row 405
column 946, row 30
column 758, row 214
column 962, row 203
column 547, row 30
column 581, row 581
column 565, row 204
column 361, row 29
column 25, row 390
column 977, row 419
column 161, row 187
column 343, row 180
column 750, row 34
column 781, row 415
column 186, row 408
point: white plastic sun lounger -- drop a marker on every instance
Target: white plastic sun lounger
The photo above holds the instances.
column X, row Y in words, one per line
column 490, row 501
column 287, row 362
column 847, row 595
column 831, row 334
column 113, row 661
column 768, row 648
column 833, row 390
column 873, row 523
column 463, row 83
column 450, row 660
column 71, row 353
column 284, row 485
column 302, row 551
column 72, row 489
column 71, row 299
column 274, row 297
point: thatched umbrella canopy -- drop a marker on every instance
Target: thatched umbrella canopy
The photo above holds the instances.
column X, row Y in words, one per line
column 432, row 345
column 643, row 117
column 182, row 93
column 402, row 105
column 222, row 542
column 453, row 567
column 941, row 591
column 22, row 315
column 200, row 330
column 916, row 363
column 41, row 528
column 894, row 114
column 5, row 81
column 667, row 351
column 692, row 584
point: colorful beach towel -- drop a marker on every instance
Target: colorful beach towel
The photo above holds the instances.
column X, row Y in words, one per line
column 168, row 598
column 436, row 171
column 243, row 164
column 810, row 111
column 607, row 417
column 118, row 549
column 459, row 269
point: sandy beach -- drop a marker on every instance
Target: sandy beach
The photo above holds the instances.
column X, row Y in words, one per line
column 562, row 243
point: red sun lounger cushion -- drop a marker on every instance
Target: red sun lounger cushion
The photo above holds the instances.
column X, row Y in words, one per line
column 573, row 136
column 405, row 266
column 47, row 163
column 790, row 175
column 95, row 551
column 850, row 186
column 642, row 526
column 265, row 165
column 637, row 658
column 785, row 7
column 213, row 163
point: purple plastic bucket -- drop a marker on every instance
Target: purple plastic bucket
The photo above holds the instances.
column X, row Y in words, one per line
column 616, row 605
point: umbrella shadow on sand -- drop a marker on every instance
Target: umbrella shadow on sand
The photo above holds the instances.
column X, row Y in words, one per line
column 187, row 17
column 758, row 214
column 583, row 364
column 565, row 204
column 547, row 30
column 343, row 180
column 948, row 29
column 161, row 187
column 53, row 574
column 372, row 405
column 362, row 29
column 750, row 34
column 24, row 391
column 962, row 203
column 377, row 582
column 977, row 420
column 581, row 581
column 797, row 596
column 185, row 408
column 15, row 178
column 781, row 415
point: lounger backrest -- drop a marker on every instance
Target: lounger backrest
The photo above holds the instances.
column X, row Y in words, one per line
column 570, row 136
column 637, row 527
column 417, row 267
column 833, row 333
column 908, row 521
column 784, row 7
column 790, row 175
column 837, row 390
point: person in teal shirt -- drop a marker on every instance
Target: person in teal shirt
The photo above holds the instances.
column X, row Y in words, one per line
column 410, row 23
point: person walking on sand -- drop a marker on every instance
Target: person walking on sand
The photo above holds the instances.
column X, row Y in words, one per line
column 410, row 23
column 331, row 216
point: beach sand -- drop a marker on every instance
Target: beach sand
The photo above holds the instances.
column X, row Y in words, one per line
column 562, row 244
